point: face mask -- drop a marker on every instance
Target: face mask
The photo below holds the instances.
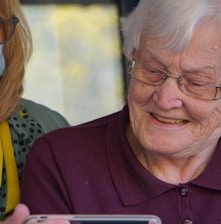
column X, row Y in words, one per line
column 2, row 60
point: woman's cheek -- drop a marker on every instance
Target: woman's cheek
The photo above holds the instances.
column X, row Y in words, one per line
column 139, row 93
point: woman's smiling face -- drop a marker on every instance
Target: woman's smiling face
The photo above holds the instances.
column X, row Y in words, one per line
column 163, row 118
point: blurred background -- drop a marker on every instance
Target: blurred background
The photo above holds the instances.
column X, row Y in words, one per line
column 77, row 67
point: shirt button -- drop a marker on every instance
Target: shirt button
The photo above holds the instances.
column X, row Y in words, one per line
column 184, row 191
column 187, row 221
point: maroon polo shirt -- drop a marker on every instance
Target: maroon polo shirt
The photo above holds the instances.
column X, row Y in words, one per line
column 91, row 169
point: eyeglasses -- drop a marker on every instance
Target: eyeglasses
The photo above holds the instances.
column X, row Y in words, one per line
column 194, row 87
column 8, row 27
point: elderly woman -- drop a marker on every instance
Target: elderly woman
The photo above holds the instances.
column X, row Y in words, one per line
column 161, row 153
column 21, row 121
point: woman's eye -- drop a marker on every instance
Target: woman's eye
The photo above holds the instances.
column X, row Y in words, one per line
column 197, row 79
column 153, row 70
column 197, row 83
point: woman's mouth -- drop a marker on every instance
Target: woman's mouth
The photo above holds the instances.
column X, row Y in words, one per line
column 169, row 120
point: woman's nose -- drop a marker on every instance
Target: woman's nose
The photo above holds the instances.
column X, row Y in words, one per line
column 168, row 95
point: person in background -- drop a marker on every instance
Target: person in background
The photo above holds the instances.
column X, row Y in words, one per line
column 161, row 153
column 21, row 121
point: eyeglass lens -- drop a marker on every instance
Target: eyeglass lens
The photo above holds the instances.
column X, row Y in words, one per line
column 192, row 87
column 7, row 27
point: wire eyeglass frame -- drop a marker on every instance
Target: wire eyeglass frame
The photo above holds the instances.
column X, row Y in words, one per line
column 163, row 75
column 12, row 21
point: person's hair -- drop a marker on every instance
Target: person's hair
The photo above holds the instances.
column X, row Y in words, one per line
column 17, row 53
column 176, row 19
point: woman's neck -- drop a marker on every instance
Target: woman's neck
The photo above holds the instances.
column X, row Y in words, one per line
column 169, row 168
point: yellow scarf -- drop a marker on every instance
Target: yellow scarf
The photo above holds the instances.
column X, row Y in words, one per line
column 7, row 152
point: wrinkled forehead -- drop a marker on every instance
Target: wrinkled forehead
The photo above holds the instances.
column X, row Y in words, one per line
column 205, row 42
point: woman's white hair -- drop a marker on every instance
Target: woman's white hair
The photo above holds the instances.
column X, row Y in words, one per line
column 174, row 18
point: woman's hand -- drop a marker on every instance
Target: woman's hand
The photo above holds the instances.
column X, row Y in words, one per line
column 20, row 214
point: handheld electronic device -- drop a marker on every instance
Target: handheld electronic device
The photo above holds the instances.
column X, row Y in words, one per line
column 97, row 219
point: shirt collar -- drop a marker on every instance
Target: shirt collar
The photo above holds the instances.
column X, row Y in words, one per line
column 211, row 176
column 133, row 182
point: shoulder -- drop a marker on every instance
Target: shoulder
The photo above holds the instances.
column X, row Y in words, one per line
column 87, row 134
column 46, row 117
column 34, row 107
column 72, row 144
column 90, row 127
